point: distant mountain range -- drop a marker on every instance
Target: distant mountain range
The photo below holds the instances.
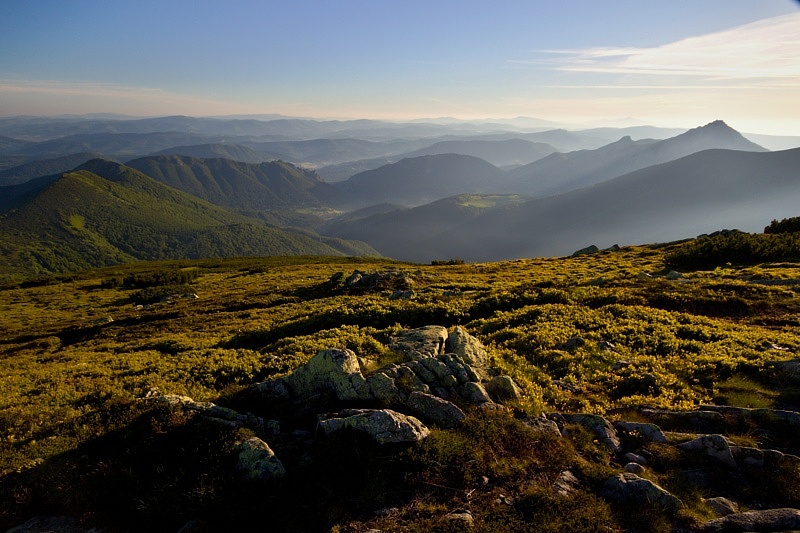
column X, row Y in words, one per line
column 417, row 191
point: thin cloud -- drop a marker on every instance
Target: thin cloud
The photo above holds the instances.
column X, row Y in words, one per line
column 765, row 50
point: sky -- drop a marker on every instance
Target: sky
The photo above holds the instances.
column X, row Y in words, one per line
column 677, row 63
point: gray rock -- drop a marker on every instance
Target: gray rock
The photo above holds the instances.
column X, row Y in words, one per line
column 599, row 426
column 434, row 409
column 584, row 251
column 383, row 425
column 427, row 341
column 503, row 389
column 52, row 524
column 766, row 520
column 673, row 275
column 212, row 412
column 715, row 446
column 634, row 468
column 630, row 488
column 467, row 348
column 566, row 483
column 635, row 458
column 425, row 375
column 462, row 518
column 650, row 432
column 438, row 368
column 701, row 419
column 542, row 426
column 606, row 346
column 722, row 506
column 272, row 390
column 331, row 371
column 257, row 461
column 474, row 393
column 383, row 388
column 572, row 343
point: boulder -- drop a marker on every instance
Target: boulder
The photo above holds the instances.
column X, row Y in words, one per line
column 630, row 488
column 766, row 520
column 461, row 519
column 434, row 409
column 634, row 468
column 572, row 343
column 584, row 251
column 256, row 461
column 650, row 432
column 635, row 458
column 474, row 393
column 384, row 389
column 331, row 371
column 420, row 343
column 468, row 349
column 542, row 426
column 722, row 506
column 212, row 412
column 503, row 389
column 382, row 425
column 566, row 483
column 599, row 426
column 715, row 446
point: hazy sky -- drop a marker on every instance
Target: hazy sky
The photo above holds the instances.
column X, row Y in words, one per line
column 674, row 63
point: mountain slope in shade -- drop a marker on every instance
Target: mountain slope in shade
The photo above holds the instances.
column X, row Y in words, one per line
column 44, row 167
column 510, row 152
column 559, row 173
column 264, row 186
column 104, row 213
column 700, row 193
column 235, row 152
column 399, row 231
column 420, row 180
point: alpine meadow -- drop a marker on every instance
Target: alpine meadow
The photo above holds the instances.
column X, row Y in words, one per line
column 360, row 267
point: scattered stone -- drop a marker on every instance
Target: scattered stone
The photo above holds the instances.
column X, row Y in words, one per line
column 644, row 275
column 606, row 346
column 401, row 294
column 766, row 520
column 673, row 275
column 420, row 343
column 634, row 458
column 543, row 426
column 566, row 483
column 601, row 427
column 569, row 387
column 463, row 518
column 504, row 389
column 722, row 506
column 715, row 446
column 630, row 488
column 361, row 281
column 474, row 393
column 436, row 410
column 650, row 432
column 634, row 468
column 382, row 425
column 572, row 343
column 257, row 461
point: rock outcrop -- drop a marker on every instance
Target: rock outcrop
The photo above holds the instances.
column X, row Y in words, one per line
column 257, row 461
column 384, row 426
column 630, row 488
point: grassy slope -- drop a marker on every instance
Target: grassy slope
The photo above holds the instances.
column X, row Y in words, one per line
column 82, row 220
column 71, row 380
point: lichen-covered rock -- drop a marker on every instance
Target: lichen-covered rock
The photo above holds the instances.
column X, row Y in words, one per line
column 599, row 426
column 475, row 393
column 503, row 389
column 420, row 343
column 330, row 371
column 257, row 461
column 650, row 432
column 715, row 446
column 766, row 520
column 469, row 349
column 212, row 412
column 566, row 483
column 634, row 468
column 383, row 388
column 722, row 506
column 630, row 488
column 382, row 425
column 543, row 426
column 434, row 409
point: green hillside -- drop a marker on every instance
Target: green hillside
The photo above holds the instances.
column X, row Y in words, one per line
column 81, row 220
column 102, row 420
column 264, row 186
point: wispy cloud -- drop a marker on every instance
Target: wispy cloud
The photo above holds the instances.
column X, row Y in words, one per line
column 766, row 52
